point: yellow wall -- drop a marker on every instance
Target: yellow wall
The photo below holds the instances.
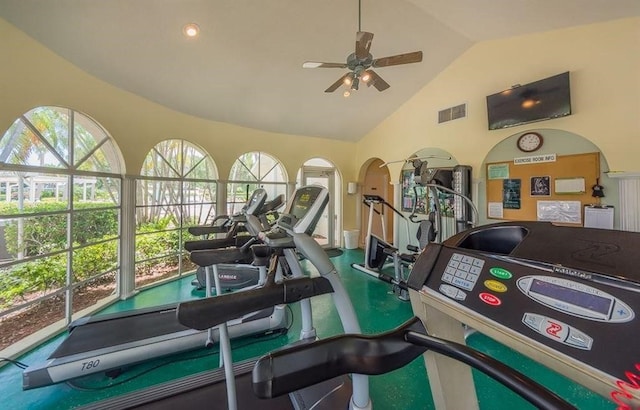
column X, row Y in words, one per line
column 32, row 76
column 604, row 61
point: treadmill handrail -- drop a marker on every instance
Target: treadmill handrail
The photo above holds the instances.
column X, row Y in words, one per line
column 208, row 257
column 378, row 199
column 205, row 313
column 302, row 365
column 528, row 389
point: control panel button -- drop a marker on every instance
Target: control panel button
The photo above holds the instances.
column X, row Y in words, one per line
column 490, row 299
column 452, row 292
column 620, row 312
column 579, row 339
column 495, row 286
column 464, row 284
column 533, row 321
column 465, row 267
column 478, row 263
column 554, row 329
column 558, row 331
column 500, row 273
column 467, row 259
column 463, row 271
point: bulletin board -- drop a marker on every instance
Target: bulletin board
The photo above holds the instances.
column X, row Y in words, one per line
column 519, row 188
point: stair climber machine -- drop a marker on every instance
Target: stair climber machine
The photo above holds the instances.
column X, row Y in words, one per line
column 110, row 342
column 231, row 385
column 237, row 273
column 374, row 253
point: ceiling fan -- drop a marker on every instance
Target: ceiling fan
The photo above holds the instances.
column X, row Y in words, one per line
column 361, row 63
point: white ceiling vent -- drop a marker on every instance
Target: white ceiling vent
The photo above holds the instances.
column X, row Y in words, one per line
column 452, row 113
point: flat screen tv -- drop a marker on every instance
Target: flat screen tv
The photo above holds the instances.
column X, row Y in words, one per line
column 541, row 100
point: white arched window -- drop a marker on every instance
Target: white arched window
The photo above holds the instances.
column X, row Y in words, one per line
column 176, row 189
column 254, row 170
column 60, row 178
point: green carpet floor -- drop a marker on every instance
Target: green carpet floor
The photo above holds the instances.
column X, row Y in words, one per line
column 378, row 310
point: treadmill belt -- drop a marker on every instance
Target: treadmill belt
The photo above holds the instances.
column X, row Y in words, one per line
column 208, row 390
column 102, row 334
column 214, row 396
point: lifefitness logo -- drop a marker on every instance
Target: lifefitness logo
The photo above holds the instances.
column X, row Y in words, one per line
column 600, row 253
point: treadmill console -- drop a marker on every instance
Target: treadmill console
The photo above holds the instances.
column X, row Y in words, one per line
column 304, row 210
column 572, row 292
column 255, row 202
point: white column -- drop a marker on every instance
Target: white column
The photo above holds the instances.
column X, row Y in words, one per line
column 127, row 279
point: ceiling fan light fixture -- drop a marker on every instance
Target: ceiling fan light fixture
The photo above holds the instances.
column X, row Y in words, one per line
column 361, row 63
column 349, row 78
column 191, row 30
column 346, row 94
column 355, row 84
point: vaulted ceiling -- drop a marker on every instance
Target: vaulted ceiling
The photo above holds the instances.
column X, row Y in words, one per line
column 245, row 67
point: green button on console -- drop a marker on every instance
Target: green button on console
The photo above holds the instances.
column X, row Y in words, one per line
column 501, row 273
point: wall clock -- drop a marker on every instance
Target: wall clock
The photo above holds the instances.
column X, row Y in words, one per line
column 529, row 142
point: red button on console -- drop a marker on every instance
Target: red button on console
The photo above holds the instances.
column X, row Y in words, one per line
column 490, row 299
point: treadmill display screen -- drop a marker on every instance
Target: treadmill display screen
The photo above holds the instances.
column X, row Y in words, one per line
column 576, row 297
column 303, row 200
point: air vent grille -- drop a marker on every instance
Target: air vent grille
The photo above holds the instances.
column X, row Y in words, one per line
column 452, row 113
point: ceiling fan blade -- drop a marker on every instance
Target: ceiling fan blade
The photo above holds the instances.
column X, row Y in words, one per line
column 317, row 64
column 363, row 43
column 337, row 84
column 406, row 58
column 376, row 81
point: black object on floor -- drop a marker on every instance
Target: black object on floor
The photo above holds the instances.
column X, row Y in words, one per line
column 333, row 252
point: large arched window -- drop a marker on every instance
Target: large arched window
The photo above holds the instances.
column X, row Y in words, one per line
column 177, row 189
column 60, row 178
column 250, row 171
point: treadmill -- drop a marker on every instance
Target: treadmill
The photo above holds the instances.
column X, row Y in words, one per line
column 567, row 297
column 291, row 233
column 110, row 341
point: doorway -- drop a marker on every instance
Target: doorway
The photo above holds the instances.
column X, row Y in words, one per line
column 377, row 182
column 323, row 173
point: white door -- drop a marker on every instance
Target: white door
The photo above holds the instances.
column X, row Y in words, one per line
column 325, row 230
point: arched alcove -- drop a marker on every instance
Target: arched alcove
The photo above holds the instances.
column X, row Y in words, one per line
column 560, row 143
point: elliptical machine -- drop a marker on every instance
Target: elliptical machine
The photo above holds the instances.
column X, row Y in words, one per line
column 237, row 273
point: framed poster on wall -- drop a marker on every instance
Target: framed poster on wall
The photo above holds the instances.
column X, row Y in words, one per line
column 409, row 197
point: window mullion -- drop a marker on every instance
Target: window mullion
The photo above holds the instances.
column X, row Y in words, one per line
column 44, row 141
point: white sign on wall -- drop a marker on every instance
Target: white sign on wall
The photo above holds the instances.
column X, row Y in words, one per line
column 534, row 159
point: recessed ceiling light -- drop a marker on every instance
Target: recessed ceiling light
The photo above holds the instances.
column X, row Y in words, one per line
column 191, row 30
